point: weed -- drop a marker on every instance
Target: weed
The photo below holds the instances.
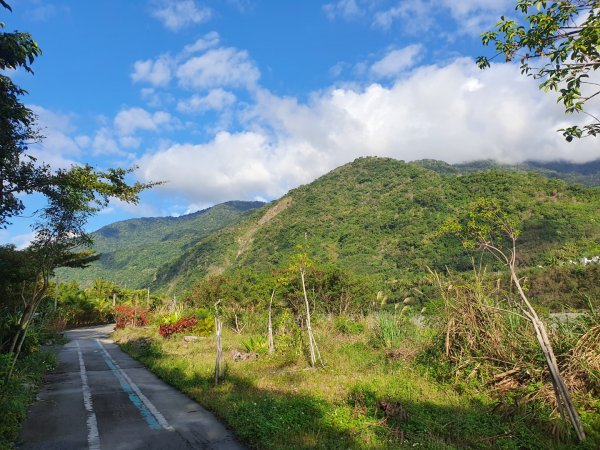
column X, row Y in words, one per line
column 346, row 325
column 16, row 396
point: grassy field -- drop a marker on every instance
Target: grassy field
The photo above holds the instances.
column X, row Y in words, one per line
column 376, row 391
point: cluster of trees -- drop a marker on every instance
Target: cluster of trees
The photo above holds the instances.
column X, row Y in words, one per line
column 244, row 292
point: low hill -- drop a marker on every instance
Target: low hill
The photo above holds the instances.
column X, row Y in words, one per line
column 374, row 215
column 133, row 250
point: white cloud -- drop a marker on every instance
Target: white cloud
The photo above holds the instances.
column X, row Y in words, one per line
column 200, row 65
column 156, row 72
column 346, row 9
column 178, row 14
column 21, row 241
column 397, row 61
column 229, row 167
column 219, row 68
column 207, row 41
column 130, row 120
column 58, row 148
column 416, row 16
column 217, row 99
column 453, row 112
column 104, row 143
column 141, row 209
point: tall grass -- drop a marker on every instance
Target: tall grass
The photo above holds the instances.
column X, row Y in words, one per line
column 491, row 344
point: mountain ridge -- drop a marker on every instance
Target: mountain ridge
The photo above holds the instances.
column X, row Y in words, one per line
column 371, row 217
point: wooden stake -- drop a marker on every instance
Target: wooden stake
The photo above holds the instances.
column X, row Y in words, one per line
column 271, row 342
column 218, row 329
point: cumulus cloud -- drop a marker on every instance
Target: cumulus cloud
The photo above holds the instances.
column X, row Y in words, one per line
column 207, row 41
column 229, row 167
column 397, row 61
column 22, row 241
column 130, row 120
column 416, row 16
column 178, row 14
column 346, row 9
column 216, row 99
column 104, row 143
column 453, row 112
column 219, row 67
column 58, row 148
column 156, row 72
column 202, row 66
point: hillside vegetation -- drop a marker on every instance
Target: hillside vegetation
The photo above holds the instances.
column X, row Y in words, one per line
column 375, row 217
column 132, row 250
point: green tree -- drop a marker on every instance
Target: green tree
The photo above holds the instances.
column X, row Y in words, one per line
column 489, row 227
column 557, row 43
column 72, row 195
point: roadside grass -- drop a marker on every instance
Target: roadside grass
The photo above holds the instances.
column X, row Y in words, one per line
column 373, row 392
column 20, row 391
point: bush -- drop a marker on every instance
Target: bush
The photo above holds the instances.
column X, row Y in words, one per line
column 167, row 330
column 206, row 322
column 346, row 325
column 256, row 344
column 133, row 316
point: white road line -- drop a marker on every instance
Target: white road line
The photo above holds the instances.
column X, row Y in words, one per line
column 92, row 424
column 155, row 412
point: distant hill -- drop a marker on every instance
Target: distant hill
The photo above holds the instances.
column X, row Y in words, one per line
column 582, row 173
column 133, row 250
column 371, row 217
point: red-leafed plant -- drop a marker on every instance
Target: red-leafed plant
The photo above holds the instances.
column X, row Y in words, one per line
column 177, row 327
column 132, row 316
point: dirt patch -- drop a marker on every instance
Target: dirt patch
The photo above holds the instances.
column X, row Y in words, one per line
column 246, row 240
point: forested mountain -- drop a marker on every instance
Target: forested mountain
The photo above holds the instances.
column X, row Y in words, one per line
column 582, row 173
column 132, row 250
column 373, row 217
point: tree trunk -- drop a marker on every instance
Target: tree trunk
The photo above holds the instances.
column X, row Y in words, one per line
column 311, row 340
column 563, row 399
column 270, row 336
column 36, row 297
column 218, row 368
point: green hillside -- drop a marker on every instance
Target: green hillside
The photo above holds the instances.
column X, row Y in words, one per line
column 581, row 173
column 374, row 216
column 133, row 250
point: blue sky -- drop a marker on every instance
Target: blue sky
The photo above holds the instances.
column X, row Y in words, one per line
column 245, row 99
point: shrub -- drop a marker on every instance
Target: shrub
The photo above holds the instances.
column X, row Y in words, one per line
column 348, row 326
column 133, row 316
column 206, row 322
column 167, row 330
column 256, row 344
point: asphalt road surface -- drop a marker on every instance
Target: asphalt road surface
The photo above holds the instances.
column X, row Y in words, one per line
column 100, row 398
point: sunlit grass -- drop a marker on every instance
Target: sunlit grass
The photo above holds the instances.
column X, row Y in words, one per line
column 279, row 402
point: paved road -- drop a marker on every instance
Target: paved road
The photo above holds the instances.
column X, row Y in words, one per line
column 100, row 398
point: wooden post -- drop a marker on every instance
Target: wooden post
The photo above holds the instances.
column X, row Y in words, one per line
column 311, row 339
column 271, row 342
column 148, row 299
column 114, row 299
column 218, row 329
